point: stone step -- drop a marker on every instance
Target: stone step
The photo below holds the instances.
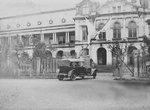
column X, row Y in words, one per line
column 104, row 68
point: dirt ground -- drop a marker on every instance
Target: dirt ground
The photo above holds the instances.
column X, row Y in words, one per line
column 88, row 94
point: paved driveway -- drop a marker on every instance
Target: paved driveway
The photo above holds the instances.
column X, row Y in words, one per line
column 85, row 94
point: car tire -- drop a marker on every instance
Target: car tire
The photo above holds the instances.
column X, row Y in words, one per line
column 82, row 77
column 94, row 74
column 73, row 76
column 60, row 78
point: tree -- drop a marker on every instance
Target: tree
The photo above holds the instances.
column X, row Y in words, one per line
column 39, row 50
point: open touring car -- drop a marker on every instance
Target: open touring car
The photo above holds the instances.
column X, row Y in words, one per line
column 74, row 68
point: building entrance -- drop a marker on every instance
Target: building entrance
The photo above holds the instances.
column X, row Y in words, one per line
column 101, row 56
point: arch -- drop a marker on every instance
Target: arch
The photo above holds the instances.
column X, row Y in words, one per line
column 86, row 51
column 100, row 26
column 73, row 53
column 117, row 30
column 48, row 54
column 132, row 29
column 101, row 56
column 60, row 54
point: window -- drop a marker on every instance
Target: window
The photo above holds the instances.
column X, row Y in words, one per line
column 85, row 9
column 85, row 52
column 61, row 37
column 114, row 9
column 117, row 30
column 36, row 38
column 119, row 8
column 100, row 26
column 25, row 40
column 72, row 37
column 48, row 38
column 84, row 33
column 132, row 30
column 15, row 41
column 102, row 36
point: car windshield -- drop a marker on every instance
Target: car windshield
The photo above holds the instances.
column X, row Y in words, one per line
column 75, row 64
column 70, row 62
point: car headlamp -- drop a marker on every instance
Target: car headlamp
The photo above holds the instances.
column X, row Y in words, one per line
column 57, row 70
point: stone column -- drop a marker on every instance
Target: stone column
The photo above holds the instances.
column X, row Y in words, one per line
column 136, row 74
column 30, row 39
column 54, row 38
column 42, row 37
column 109, row 57
column 38, row 66
column 67, row 37
column 124, row 29
column 9, row 50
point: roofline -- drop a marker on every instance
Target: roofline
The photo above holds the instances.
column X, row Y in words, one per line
column 38, row 13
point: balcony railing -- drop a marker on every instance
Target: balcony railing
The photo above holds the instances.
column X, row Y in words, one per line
column 132, row 38
column 117, row 39
column 101, row 39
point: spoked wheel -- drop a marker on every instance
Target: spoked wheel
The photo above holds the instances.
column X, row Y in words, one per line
column 94, row 74
column 72, row 77
column 82, row 77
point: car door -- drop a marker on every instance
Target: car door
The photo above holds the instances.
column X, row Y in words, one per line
column 80, row 71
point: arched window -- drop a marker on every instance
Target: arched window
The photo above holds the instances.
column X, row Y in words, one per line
column 117, row 30
column 132, row 30
column 73, row 53
column 102, row 35
column 60, row 54
column 84, row 52
column 100, row 26
column 84, row 33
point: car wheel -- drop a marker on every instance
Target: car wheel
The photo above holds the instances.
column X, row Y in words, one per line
column 60, row 78
column 82, row 77
column 73, row 77
column 94, row 74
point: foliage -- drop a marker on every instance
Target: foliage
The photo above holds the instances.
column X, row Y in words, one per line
column 146, row 40
column 40, row 50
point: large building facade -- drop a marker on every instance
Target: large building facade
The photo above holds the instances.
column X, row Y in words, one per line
column 69, row 32
column 55, row 28
column 123, row 21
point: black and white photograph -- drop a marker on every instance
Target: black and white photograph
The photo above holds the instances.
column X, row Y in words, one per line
column 74, row 54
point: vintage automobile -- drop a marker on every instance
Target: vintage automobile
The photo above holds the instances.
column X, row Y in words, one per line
column 74, row 69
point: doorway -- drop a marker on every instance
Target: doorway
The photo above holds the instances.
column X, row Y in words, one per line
column 101, row 56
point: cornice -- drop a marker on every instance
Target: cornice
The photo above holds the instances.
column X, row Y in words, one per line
column 58, row 27
column 39, row 13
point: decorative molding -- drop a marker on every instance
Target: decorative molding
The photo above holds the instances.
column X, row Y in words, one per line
column 63, row 20
column 18, row 25
column 28, row 24
column 39, row 23
column 39, row 13
column 50, row 21
column 121, row 13
column 39, row 28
